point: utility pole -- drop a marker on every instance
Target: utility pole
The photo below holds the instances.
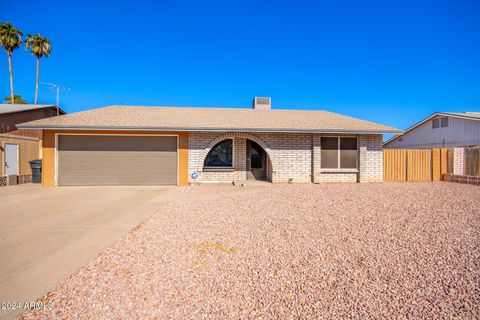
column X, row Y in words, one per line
column 57, row 88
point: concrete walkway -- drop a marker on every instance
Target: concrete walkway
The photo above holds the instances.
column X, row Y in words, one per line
column 47, row 234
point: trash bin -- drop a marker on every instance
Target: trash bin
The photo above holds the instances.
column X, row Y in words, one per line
column 36, row 166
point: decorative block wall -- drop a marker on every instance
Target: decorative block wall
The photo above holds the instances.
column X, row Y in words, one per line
column 461, row 179
column 24, row 178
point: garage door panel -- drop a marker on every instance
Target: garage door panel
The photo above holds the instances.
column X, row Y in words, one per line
column 118, row 143
column 117, row 160
column 147, row 180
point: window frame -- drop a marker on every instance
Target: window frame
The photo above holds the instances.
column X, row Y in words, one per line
column 442, row 123
column 433, row 123
column 338, row 153
column 217, row 167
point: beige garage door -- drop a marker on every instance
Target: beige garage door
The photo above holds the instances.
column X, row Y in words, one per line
column 117, row 160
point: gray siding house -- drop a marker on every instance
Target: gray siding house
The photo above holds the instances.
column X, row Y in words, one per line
column 440, row 130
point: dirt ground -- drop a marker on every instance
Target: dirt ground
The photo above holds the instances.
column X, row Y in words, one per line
column 391, row 250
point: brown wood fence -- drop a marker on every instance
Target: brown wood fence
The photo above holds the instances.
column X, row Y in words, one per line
column 472, row 161
column 414, row 165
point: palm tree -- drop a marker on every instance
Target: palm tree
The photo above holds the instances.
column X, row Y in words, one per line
column 39, row 46
column 16, row 99
column 10, row 39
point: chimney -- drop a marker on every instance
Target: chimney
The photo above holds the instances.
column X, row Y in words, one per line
column 262, row 103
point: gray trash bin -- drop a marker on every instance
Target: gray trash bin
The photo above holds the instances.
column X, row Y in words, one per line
column 36, row 166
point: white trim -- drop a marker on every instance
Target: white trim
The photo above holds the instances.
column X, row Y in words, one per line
column 233, row 156
column 114, row 134
column 5, row 157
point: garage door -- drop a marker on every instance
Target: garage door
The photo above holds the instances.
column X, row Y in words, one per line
column 117, row 160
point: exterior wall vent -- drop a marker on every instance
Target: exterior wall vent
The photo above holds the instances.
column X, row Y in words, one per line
column 262, row 103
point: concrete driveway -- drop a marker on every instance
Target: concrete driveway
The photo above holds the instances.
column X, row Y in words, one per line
column 47, row 234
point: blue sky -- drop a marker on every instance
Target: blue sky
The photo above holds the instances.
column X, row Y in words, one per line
column 392, row 62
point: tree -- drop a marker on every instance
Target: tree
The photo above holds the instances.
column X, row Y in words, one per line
column 10, row 39
column 39, row 46
column 17, row 99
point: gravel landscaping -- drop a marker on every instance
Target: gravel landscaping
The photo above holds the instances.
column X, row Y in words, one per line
column 391, row 250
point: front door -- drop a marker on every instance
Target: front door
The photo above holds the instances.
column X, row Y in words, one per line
column 256, row 161
column 11, row 159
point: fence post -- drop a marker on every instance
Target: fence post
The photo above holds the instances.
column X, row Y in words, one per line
column 458, row 161
column 436, row 165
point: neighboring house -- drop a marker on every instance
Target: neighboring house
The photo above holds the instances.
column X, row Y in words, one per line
column 13, row 114
column 440, row 130
column 17, row 147
column 126, row 145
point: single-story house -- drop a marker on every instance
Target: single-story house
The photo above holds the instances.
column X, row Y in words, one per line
column 440, row 130
column 138, row 145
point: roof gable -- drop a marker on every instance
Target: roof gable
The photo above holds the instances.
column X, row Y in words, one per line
column 475, row 116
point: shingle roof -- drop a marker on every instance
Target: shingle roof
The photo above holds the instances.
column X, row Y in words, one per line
column 208, row 119
column 11, row 108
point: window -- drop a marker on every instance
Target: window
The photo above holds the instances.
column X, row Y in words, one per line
column 444, row 122
column 221, row 155
column 329, row 153
column 435, row 123
column 338, row 153
column 348, row 153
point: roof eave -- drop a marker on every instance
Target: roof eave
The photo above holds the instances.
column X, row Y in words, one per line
column 263, row 130
column 32, row 109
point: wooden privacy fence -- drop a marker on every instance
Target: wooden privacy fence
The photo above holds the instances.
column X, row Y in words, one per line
column 414, row 165
column 472, row 161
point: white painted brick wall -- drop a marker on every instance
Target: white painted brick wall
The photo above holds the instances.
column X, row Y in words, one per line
column 292, row 155
column 458, row 161
column 371, row 158
column 336, row 177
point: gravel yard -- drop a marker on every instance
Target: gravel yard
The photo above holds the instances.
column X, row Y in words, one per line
column 390, row 250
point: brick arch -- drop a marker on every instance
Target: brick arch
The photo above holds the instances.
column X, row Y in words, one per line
column 233, row 135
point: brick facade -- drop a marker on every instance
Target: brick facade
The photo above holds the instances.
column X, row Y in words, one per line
column 336, row 177
column 371, row 158
column 291, row 156
column 458, row 161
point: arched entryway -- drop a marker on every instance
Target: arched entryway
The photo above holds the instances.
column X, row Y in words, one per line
column 240, row 163
column 256, row 162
